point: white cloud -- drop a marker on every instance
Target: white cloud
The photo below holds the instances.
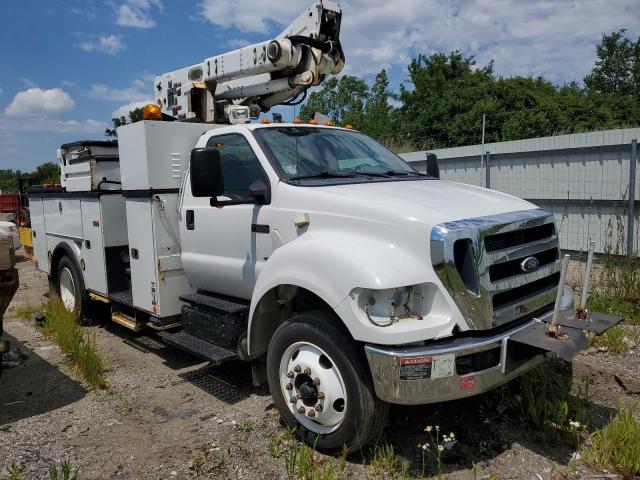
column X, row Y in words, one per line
column 236, row 43
column 28, row 83
column 553, row 38
column 35, row 102
column 124, row 110
column 137, row 13
column 8, row 128
column 139, row 89
column 109, row 44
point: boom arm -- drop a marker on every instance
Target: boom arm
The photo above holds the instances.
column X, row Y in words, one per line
column 258, row 76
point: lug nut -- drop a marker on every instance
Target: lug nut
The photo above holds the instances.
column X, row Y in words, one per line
column 318, row 407
column 297, row 369
column 291, row 374
column 307, row 371
column 301, row 410
column 293, row 399
column 288, row 386
column 316, row 381
column 311, row 413
column 320, row 395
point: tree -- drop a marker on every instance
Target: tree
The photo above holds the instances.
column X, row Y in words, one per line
column 135, row 115
column 47, row 173
column 617, row 68
column 343, row 100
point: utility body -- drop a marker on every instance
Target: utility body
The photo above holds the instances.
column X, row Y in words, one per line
column 349, row 279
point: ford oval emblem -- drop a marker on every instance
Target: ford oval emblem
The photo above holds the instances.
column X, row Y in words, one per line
column 529, row 264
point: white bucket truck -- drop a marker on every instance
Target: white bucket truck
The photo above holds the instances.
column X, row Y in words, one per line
column 346, row 277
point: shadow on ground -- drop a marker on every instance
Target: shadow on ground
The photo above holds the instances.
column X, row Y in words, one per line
column 35, row 387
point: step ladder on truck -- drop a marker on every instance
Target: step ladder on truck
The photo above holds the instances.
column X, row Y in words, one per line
column 348, row 279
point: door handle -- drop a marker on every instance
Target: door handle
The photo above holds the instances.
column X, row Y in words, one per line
column 190, row 220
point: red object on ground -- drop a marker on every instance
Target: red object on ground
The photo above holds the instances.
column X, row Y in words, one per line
column 9, row 203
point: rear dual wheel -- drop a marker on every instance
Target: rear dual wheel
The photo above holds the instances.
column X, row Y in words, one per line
column 321, row 384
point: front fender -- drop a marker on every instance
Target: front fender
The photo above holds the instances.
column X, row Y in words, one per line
column 332, row 265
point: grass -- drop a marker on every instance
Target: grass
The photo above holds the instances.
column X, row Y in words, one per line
column 65, row 472
column 617, row 340
column 385, row 462
column 542, row 400
column 80, row 349
column 27, row 312
column 616, row 446
column 303, row 463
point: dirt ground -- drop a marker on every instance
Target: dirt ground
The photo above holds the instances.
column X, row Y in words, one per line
column 163, row 408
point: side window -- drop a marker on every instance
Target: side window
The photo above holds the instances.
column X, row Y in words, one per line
column 240, row 166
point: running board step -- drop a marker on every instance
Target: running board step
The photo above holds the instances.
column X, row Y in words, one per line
column 217, row 303
column 198, row 347
column 126, row 321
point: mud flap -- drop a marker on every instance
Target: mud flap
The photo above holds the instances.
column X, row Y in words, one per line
column 571, row 338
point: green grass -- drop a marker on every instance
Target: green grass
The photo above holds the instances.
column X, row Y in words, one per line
column 27, row 312
column 617, row 340
column 541, row 399
column 613, row 305
column 65, row 472
column 303, row 463
column 80, row 349
column 15, row 472
column 617, row 446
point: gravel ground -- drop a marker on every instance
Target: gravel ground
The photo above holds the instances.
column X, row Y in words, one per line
column 163, row 409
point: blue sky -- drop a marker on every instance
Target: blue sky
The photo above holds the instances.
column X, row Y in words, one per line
column 67, row 66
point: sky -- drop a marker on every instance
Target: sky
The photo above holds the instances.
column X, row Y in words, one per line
column 68, row 66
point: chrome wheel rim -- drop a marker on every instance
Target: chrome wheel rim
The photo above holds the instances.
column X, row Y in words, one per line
column 313, row 388
column 67, row 289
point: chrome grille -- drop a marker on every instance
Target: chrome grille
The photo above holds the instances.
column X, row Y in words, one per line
column 479, row 262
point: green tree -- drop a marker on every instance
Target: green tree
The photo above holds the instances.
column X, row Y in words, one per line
column 617, row 68
column 135, row 115
column 343, row 100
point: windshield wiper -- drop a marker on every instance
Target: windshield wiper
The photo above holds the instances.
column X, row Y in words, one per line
column 323, row 174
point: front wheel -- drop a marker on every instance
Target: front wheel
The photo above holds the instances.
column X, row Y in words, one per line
column 321, row 384
column 70, row 287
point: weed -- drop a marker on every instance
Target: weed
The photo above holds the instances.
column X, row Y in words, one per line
column 303, row 463
column 16, row 472
column 27, row 312
column 209, row 462
column 275, row 447
column 542, row 400
column 245, row 427
column 616, row 446
column 439, row 443
column 617, row 340
column 79, row 348
column 384, row 460
column 66, row 473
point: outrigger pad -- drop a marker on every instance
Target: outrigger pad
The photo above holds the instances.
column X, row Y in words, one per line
column 597, row 323
column 569, row 343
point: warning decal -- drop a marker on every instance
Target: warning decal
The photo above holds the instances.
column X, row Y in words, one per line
column 415, row 368
column 467, row 382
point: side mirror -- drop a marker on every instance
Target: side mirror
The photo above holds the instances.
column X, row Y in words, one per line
column 433, row 169
column 260, row 192
column 206, row 172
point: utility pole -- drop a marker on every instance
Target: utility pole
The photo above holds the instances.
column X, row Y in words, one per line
column 631, row 218
column 484, row 116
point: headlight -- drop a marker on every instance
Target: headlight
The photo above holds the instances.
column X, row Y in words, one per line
column 388, row 306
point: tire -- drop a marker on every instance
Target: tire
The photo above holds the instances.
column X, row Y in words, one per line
column 346, row 411
column 70, row 288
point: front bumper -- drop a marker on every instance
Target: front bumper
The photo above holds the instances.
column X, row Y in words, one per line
column 465, row 366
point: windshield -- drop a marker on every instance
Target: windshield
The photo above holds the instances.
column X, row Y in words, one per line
column 307, row 153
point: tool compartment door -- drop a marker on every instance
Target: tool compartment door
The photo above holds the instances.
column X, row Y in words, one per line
column 38, row 233
column 92, row 250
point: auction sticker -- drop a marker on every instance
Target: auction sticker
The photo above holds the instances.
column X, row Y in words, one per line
column 415, row 368
column 443, row 365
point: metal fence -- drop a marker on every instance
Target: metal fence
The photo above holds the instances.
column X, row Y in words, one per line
column 588, row 180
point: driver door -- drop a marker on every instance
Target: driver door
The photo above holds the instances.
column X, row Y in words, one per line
column 224, row 247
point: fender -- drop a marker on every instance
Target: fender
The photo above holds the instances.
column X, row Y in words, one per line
column 64, row 248
column 313, row 261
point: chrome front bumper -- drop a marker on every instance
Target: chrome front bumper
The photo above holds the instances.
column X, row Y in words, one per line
column 428, row 374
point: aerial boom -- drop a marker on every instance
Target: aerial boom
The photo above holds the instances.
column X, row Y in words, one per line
column 253, row 79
